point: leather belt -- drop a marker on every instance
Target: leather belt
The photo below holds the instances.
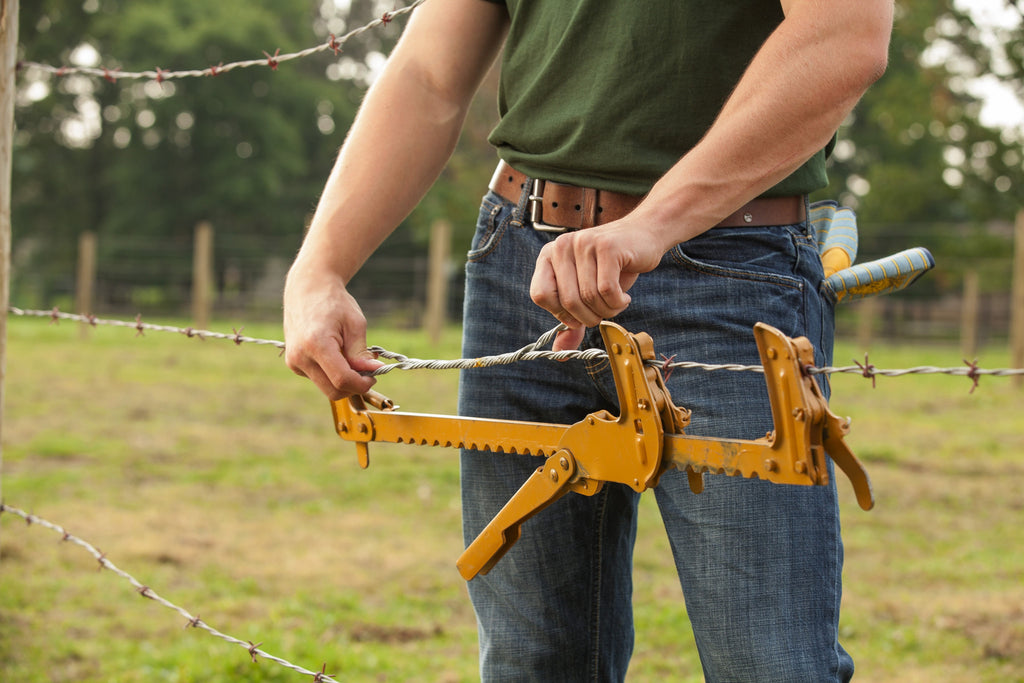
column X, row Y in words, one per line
column 557, row 207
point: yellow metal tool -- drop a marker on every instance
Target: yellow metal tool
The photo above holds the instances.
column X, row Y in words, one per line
column 635, row 447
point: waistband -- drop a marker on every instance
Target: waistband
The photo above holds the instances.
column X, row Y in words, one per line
column 557, row 207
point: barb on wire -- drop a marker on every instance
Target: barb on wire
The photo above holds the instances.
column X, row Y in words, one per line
column 147, row 592
column 867, row 370
column 333, row 44
column 533, row 351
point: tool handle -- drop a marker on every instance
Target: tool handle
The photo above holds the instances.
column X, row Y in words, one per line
column 546, row 485
column 889, row 274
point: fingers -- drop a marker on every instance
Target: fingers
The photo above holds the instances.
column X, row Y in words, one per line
column 568, row 340
column 335, row 372
column 325, row 339
column 583, row 278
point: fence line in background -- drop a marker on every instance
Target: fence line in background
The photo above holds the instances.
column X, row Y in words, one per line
column 145, row 591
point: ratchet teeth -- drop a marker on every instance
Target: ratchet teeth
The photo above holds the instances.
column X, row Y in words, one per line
column 730, row 472
column 498, row 448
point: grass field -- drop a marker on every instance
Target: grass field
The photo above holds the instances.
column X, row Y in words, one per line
column 214, row 476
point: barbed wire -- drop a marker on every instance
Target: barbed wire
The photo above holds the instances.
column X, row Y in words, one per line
column 55, row 315
column 534, row 351
column 334, row 44
column 145, row 591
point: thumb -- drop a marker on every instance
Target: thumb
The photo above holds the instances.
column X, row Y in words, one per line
column 568, row 340
column 359, row 357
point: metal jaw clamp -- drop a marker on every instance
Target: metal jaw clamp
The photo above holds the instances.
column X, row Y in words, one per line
column 635, row 447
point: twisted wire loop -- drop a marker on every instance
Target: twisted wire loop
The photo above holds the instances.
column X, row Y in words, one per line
column 160, row 75
column 532, row 351
column 147, row 592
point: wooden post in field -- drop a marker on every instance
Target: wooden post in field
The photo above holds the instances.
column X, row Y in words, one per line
column 1017, row 300
column 969, row 316
column 8, row 62
column 85, row 278
column 202, row 275
column 867, row 313
column 437, row 278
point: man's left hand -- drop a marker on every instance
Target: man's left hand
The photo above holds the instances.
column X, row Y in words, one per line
column 583, row 277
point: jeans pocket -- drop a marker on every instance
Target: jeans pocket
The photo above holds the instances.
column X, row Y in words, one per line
column 492, row 221
column 765, row 254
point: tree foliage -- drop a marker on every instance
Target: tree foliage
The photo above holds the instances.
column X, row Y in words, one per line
column 142, row 160
column 915, row 150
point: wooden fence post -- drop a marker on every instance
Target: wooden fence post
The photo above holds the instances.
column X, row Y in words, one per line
column 202, row 275
column 867, row 310
column 969, row 308
column 8, row 61
column 437, row 278
column 85, row 278
column 1017, row 300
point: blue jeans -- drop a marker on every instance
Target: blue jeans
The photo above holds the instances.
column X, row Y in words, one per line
column 759, row 563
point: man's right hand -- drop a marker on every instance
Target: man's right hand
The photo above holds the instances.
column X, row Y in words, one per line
column 325, row 333
column 403, row 136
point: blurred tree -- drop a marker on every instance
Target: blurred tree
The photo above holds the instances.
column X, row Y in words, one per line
column 915, row 149
column 141, row 160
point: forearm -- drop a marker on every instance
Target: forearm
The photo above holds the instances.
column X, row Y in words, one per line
column 403, row 136
column 385, row 166
column 794, row 95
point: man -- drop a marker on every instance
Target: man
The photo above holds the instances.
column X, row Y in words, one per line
column 684, row 137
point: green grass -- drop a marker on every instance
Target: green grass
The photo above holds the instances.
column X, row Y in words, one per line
column 214, row 476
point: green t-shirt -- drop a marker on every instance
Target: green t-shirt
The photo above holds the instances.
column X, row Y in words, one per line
column 611, row 93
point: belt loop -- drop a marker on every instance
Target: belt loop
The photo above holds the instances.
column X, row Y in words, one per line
column 806, row 222
column 519, row 213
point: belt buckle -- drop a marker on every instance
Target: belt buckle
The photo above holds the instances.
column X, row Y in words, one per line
column 536, row 210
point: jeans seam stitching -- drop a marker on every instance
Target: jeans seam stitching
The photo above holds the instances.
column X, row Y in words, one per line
column 595, row 638
column 495, row 234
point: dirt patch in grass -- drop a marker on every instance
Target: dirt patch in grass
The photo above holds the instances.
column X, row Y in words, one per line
column 997, row 633
column 361, row 633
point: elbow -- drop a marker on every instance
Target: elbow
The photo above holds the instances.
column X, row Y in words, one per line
column 873, row 62
column 871, row 56
column 857, row 68
column 854, row 38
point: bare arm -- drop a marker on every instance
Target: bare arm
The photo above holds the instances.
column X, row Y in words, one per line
column 794, row 95
column 403, row 135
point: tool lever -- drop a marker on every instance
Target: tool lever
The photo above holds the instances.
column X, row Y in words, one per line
column 546, row 485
